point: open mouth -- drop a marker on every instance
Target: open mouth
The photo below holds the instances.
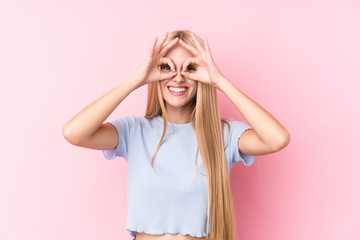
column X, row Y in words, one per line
column 178, row 89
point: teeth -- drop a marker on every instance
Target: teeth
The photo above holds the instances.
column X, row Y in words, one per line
column 177, row 89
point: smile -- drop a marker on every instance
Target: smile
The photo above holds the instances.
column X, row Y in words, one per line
column 178, row 91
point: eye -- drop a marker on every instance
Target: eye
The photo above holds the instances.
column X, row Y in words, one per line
column 165, row 67
column 190, row 68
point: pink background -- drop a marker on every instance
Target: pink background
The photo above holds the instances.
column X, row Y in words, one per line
column 298, row 59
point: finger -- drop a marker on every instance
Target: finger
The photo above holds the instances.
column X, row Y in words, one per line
column 169, row 62
column 161, row 42
column 189, row 75
column 193, row 50
column 167, row 75
column 184, row 71
column 187, row 63
column 152, row 46
column 207, row 48
column 197, row 44
column 168, row 46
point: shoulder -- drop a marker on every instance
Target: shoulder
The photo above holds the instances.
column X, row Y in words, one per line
column 132, row 122
column 233, row 130
column 231, row 125
column 125, row 120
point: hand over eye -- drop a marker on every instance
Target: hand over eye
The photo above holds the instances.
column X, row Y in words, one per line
column 149, row 71
column 206, row 69
column 165, row 67
column 191, row 68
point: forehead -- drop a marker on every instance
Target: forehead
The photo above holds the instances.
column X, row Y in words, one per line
column 178, row 53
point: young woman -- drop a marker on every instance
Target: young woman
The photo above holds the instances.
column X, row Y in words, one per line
column 180, row 153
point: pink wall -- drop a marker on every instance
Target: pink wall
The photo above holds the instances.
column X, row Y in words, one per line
column 298, row 59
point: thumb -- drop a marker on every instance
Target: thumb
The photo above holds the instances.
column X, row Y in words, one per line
column 188, row 75
column 187, row 63
column 167, row 75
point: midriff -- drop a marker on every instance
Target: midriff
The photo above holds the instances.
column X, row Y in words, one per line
column 167, row 236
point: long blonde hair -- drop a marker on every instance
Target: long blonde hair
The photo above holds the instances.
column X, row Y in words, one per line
column 208, row 129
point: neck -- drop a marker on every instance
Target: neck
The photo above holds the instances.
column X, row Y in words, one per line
column 178, row 115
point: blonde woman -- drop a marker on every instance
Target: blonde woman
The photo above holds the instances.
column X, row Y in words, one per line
column 180, row 153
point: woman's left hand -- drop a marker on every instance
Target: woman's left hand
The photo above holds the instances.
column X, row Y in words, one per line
column 206, row 69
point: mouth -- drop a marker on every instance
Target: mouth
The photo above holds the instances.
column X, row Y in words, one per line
column 177, row 91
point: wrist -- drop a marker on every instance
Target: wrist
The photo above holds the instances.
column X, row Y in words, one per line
column 134, row 82
column 220, row 82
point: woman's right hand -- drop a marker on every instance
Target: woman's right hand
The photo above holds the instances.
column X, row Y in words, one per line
column 150, row 70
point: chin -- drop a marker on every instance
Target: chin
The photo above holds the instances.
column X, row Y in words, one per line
column 179, row 104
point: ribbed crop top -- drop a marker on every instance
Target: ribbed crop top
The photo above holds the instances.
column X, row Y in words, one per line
column 172, row 197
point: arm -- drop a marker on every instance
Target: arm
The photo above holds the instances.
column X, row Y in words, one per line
column 267, row 135
column 87, row 129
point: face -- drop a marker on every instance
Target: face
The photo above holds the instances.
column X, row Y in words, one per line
column 178, row 92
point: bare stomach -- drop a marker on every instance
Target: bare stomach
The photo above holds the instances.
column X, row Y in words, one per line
column 167, row 236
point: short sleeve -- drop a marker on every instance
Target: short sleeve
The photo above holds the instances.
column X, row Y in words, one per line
column 123, row 127
column 233, row 154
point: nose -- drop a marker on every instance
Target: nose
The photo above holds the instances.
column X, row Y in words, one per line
column 178, row 77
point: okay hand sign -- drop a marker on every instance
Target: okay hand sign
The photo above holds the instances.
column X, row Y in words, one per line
column 206, row 69
column 150, row 71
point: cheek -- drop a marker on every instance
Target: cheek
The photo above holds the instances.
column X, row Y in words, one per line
column 162, row 86
column 195, row 88
column 194, row 92
column 194, row 84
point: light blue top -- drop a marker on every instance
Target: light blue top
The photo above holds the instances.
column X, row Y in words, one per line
column 172, row 197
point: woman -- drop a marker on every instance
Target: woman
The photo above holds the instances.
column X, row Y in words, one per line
column 169, row 197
